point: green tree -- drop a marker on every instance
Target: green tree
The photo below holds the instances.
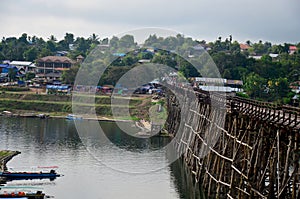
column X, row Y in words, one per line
column 127, row 41
column 52, row 38
column 30, row 54
column 12, row 73
column 83, row 45
column 44, row 52
column 68, row 76
column 105, row 41
column 129, row 60
column 23, row 38
column 94, row 38
column 69, row 38
column 254, row 85
column 152, row 39
column 227, row 74
column 235, row 47
column 114, row 42
column 29, row 76
column 112, row 74
column 279, row 88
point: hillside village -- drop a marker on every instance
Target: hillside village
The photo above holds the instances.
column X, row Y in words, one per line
column 260, row 69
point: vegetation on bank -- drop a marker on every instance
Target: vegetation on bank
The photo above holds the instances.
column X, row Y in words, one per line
column 99, row 99
column 5, row 156
column 14, row 88
column 61, row 105
column 4, row 153
column 158, row 112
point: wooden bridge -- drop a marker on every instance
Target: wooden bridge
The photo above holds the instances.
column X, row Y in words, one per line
column 236, row 147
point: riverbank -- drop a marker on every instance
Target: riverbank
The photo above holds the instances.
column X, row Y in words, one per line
column 61, row 115
column 28, row 104
column 142, row 108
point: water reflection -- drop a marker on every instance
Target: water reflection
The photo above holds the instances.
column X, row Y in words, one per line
column 125, row 141
column 185, row 184
column 56, row 142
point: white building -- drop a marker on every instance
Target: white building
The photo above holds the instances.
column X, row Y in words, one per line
column 25, row 66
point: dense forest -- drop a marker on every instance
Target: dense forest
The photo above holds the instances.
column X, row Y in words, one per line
column 267, row 70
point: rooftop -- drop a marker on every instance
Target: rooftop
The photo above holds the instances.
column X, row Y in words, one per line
column 56, row 59
column 244, row 46
column 21, row 63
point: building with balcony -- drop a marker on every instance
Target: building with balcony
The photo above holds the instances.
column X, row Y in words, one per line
column 46, row 66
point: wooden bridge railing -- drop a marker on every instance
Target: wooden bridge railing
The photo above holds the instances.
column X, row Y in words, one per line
column 283, row 115
column 237, row 147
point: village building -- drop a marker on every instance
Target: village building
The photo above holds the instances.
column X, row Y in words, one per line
column 24, row 66
column 218, row 84
column 79, row 59
column 53, row 64
column 61, row 53
column 51, row 67
column 5, row 70
column 244, row 47
column 257, row 57
column 292, row 49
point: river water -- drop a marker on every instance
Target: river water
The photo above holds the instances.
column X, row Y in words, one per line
column 125, row 167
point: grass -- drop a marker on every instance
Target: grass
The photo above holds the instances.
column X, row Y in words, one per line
column 56, row 105
column 158, row 117
column 155, row 116
column 130, row 118
column 5, row 153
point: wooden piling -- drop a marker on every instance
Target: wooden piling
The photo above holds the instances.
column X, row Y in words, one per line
column 251, row 155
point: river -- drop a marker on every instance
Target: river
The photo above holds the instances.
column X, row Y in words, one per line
column 125, row 167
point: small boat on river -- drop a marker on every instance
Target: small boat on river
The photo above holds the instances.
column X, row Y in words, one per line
column 42, row 116
column 24, row 195
column 28, row 175
column 73, row 117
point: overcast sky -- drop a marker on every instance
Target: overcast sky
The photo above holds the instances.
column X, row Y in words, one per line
column 277, row 21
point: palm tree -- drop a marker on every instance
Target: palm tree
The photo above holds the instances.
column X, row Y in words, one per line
column 94, row 38
column 52, row 38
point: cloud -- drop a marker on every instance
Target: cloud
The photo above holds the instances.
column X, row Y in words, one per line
column 275, row 20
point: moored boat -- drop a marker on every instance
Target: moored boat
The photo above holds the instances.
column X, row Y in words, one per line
column 24, row 195
column 42, row 116
column 73, row 117
column 28, row 175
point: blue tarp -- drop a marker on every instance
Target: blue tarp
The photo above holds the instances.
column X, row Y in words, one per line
column 5, row 68
column 119, row 54
column 21, row 82
column 57, row 87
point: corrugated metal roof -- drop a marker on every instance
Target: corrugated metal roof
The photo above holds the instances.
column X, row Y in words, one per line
column 219, row 89
column 210, row 80
column 21, row 63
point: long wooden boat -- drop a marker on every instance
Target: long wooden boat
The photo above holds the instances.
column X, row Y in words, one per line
column 23, row 195
column 29, row 175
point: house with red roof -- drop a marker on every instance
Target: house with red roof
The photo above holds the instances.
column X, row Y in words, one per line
column 292, row 49
column 244, row 47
